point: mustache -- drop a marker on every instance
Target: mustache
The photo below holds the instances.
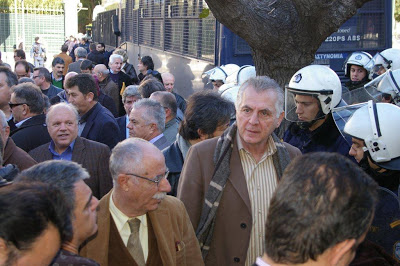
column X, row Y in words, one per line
column 160, row 195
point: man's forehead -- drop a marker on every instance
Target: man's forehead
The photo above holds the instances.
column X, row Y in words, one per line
column 265, row 98
column 307, row 98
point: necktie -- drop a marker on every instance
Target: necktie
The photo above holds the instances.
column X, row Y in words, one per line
column 134, row 246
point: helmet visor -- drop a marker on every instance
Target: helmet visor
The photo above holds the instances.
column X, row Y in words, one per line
column 377, row 64
column 301, row 106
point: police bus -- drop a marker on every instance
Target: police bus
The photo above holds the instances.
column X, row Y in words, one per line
column 180, row 42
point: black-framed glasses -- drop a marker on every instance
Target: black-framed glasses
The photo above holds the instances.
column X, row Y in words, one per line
column 156, row 179
column 12, row 105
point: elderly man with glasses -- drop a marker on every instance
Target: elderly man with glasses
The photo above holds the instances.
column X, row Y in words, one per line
column 137, row 223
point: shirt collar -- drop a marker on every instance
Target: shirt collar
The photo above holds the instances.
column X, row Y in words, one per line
column 120, row 218
column 156, row 138
column 87, row 114
column 21, row 122
column 52, row 147
column 52, row 76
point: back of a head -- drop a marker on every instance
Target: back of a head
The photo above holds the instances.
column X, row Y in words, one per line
column 92, row 46
column 148, row 62
column 20, row 53
column 206, row 110
column 31, row 95
column 80, row 52
column 64, row 48
column 149, row 86
column 167, row 100
column 27, row 210
column 122, row 53
column 322, row 199
column 86, row 65
column 85, row 84
column 61, row 174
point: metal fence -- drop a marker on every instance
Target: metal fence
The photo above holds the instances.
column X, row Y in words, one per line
column 46, row 22
column 169, row 25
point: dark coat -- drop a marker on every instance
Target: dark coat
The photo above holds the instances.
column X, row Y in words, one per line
column 66, row 258
column 121, row 121
column 110, row 88
column 108, row 103
column 93, row 156
column 121, row 78
column 52, row 91
column 75, row 67
column 17, row 156
column 325, row 138
column 96, row 57
column 32, row 133
column 174, row 161
column 180, row 101
column 131, row 72
column 101, row 126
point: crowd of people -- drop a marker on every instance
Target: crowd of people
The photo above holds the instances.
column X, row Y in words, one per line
column 104, row 166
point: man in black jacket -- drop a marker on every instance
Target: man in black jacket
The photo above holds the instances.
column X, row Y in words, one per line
column 27, row 105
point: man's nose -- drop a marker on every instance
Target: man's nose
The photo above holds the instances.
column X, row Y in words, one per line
column 164, row 185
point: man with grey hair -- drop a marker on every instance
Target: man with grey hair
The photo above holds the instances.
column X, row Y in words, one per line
column 129, row 97
column 80, row 55
column 138, row 223
column 27, row 104
column 65, row 144
column 168, row 102
column 147, row 121
column 42, row 78
column 169, row 83
column 119, row 77
column 252, row 158
column 11, row 153
column 107, row 86
column 69, row 178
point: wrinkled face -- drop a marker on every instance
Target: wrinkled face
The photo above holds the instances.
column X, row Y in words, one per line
column 63, row 127
column 77, row 99
column 43, row 250
column 85, row 214
column 58, row 70
column 18, row 111
column 307, row 107
column 169, row 82
column 142, row 68
column 100, row 48
column 129, row 101
column 137, row 126
column 116, row 65
column 356, row 149
column 357, row 73
column 142, row 192
column 257, row 117
column 21, row 72
column 217, row 84
column 37, row 78
column 5, row 92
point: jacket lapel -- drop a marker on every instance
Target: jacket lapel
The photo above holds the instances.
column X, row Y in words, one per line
column 79, row 153
column 163, row 232
column 237, row 178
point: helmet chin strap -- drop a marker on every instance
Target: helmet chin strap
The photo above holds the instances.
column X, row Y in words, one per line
column 307, row 124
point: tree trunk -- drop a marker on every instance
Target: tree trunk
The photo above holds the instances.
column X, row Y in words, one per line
column 284, row 34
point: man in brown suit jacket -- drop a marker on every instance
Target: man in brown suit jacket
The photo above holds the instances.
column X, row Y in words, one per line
column 227, row 182
column 62, row 124
column 165, row 235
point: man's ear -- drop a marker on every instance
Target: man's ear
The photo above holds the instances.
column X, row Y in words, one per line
column 3, row 251
column 122, row 181
column 280, row 118
column 167, row 112
column 340, row 250
column 7, row 131
column 201, row 134
column 89, row 96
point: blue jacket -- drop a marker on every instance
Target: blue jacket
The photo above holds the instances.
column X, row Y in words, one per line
column 325, row 138
column 174, row 161
column 101, row 126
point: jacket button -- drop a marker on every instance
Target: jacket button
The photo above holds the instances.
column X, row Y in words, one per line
column 236, row 259
column 243, row 225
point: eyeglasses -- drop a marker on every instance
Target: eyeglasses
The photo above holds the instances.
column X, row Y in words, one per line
column 12, row 105
column 156, row 179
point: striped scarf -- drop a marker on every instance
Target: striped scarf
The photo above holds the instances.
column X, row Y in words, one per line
column 222, row 156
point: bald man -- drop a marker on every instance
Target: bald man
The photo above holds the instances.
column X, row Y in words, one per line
column 107, row 86
column 169, row 82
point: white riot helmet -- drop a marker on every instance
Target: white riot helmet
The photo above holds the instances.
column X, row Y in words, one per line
column 317, row 81
column 385, row 88
column 222, row 72
column 359, row 59
column 241, row 75
column 378, row 124
column 381, row 62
